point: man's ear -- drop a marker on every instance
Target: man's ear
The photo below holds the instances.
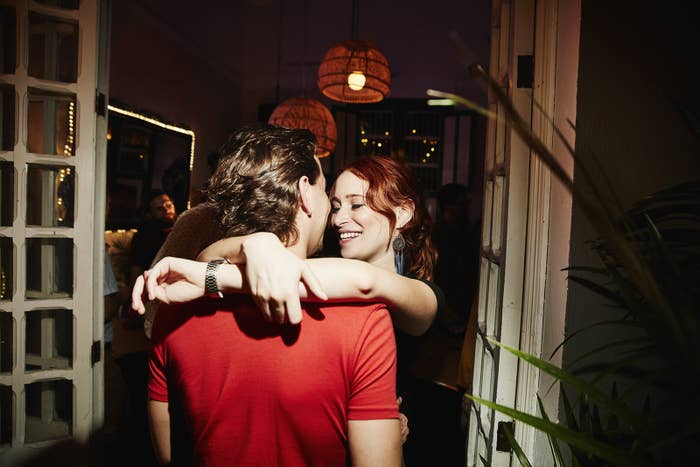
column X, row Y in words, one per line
column 404, row 213
column 304, row 195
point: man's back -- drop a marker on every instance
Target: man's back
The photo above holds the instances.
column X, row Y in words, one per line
column 258, row 393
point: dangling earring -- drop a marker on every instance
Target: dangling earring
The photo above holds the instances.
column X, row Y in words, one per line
column 399, row 244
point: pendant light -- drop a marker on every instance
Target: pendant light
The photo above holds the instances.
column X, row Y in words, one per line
column 354, row 71
column 309, row 114
column 303, row 112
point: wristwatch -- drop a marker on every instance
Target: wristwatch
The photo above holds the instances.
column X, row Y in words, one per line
column 211, row 284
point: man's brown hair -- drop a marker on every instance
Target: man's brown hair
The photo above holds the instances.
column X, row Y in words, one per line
column 255, row 184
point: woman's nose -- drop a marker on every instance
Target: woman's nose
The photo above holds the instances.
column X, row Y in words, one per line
column 340, row 217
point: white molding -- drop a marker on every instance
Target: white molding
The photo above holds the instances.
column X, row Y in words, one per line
column 538, row 218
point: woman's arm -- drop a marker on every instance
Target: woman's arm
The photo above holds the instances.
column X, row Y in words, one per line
column 412, row 303
column 273, row 272
column 233, row 248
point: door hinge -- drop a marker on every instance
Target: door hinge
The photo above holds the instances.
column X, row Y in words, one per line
column 96, row 352
column 502, row 443
column 100, row 104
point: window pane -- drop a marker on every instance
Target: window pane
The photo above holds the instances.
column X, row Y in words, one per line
column 8, row 33
column 51, row 123
column 7, row 117
column 5, row 414
column 49, row 339
column 50, row 195
column 49, row 268
column 65, row 4
column 53, row 48
column 6, row 276
column 7, row 333
column 49, row 409
column 7, row 190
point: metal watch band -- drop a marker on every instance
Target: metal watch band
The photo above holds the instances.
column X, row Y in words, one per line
column 211, row 285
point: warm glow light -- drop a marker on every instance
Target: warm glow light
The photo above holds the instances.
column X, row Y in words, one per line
column 356, row 80
column 155, row 122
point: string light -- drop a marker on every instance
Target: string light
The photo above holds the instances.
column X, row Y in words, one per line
column 158, row 123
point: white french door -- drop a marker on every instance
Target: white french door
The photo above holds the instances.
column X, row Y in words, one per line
column 503, row 247
column 519, row 261
column 51, row 222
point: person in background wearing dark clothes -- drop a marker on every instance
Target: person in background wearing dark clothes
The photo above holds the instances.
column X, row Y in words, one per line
column 130, row 344
column 152, row 234
column 457, row 242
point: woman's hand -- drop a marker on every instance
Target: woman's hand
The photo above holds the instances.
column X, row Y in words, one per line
column 171, row 280
column 273, row 274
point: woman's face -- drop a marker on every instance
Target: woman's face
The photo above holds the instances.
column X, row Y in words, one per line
column 362, row 232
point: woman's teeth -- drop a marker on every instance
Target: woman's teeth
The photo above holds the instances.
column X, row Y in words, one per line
column 346, row 235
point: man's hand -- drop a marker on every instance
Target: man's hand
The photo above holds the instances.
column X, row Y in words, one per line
column 274, row 274
column 403, row 422
column 171, row 280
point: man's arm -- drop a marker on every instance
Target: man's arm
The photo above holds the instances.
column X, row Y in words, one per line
column 374, row 442
column 159, row 424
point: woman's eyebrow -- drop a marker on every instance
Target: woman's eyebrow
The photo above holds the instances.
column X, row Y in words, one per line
column 349, row 196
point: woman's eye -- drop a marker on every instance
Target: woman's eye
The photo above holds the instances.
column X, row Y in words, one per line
column 334, row 209
column 357, row 205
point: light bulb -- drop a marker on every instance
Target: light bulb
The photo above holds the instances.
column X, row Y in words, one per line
column 356, row 80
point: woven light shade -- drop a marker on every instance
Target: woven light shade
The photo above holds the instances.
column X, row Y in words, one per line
column 309, row 114
column 357, row 58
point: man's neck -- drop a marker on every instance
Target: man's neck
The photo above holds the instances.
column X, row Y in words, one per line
column 299, row 249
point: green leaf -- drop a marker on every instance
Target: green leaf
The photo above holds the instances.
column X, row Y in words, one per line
column 620, row 322
column 517, row 450
column 582, row 441
column 616, row 407
column 599, row 289
column 553, row 445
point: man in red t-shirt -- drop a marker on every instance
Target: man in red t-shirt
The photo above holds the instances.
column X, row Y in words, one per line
column 254, row 392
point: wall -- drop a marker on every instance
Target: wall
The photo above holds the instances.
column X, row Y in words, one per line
column 209, row 66
column 635, row 62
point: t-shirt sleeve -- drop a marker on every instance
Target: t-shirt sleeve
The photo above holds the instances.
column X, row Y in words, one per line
column 439, row 295
column 157, row 379
column 373, row 383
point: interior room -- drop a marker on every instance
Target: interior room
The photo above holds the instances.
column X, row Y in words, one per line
column 555, row 143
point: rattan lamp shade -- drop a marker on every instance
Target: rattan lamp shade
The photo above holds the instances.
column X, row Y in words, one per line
column 309, row 114
column 351, row 57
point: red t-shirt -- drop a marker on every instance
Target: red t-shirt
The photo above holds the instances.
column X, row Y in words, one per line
column 258, row 393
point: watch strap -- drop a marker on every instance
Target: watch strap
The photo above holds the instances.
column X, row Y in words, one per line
column 211, row 283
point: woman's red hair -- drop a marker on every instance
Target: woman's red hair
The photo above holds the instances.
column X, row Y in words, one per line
column 393, row 184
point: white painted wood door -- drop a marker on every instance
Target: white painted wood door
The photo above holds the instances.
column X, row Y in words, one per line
column 52, row 211
column 503, row 247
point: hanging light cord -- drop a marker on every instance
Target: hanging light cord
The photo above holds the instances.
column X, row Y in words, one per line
column 303, row 56
column 355, row 20
column 279, row 51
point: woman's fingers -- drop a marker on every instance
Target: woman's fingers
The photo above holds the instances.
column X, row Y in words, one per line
column 312, row 283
